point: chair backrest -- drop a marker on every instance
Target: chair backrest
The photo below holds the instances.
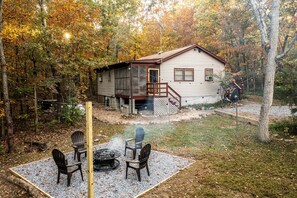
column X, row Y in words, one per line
column 77, row 138
column 144, row 155
column 139, row 136
column 60, row 160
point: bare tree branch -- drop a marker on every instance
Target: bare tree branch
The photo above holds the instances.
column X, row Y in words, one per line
column 261, row 23
column 283, row 46
column 290, row 46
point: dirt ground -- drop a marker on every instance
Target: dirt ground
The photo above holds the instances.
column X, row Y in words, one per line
column 112, row 116
column 116, row 117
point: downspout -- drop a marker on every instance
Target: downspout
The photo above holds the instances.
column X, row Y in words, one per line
column 131, row 90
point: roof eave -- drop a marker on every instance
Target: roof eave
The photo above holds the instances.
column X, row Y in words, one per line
column 113, row 66
column 161, row 60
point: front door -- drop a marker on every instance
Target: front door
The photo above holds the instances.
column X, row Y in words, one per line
column 153, row 80
column 153, row 75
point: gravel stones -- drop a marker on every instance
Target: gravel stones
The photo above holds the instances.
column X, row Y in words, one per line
column 252, row 108
column 43, row 174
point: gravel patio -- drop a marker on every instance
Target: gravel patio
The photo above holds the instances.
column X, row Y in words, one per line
column 43, row 174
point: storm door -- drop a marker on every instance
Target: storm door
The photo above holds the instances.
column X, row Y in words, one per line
column 153, row 81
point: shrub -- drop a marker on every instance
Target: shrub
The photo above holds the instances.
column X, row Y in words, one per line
column 286, row 84
column 71, row 113
column 287, row 127
column 24, row 116
column 221, row 103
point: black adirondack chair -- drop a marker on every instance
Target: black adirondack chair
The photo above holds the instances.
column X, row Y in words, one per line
column 78, row 143
column 141, row 163
column 135, row 143
column 64, row 167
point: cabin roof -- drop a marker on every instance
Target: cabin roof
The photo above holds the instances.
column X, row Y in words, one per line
column 164, row 56
column 161, row 57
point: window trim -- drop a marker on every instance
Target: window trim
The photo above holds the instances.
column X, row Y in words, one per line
column 208, row 75
column 183, row 74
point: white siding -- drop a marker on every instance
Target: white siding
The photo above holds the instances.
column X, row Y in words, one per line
column 106, row 87
column 198, row 91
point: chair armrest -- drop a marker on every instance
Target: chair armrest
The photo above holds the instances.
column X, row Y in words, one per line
column 74, row 146
column 133, row 161
column 74, row 164
column 80, row 143
column 128, row 140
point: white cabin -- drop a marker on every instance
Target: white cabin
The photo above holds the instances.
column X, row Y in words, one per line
column 162, row 82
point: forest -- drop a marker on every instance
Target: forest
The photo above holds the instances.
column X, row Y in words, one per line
column 51, row 47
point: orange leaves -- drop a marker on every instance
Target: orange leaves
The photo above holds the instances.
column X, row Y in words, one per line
column 71, row 13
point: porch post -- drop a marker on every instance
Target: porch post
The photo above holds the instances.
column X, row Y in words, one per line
column 132, row 105
column 131, row 90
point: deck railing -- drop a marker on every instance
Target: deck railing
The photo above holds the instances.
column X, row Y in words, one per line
column 164, row 90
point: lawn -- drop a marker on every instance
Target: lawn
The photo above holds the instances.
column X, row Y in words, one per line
column 230, row 162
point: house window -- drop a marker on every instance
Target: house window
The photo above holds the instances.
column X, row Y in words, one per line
column 183, row 74
column 208, row 74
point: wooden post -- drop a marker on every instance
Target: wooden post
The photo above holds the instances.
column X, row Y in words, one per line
column 89, row 135
column 35, row 108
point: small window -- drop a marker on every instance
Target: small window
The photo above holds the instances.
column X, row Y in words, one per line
column 208, row 74
column 183, row 74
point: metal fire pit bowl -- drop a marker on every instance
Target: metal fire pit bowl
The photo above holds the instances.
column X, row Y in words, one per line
column 105, row 159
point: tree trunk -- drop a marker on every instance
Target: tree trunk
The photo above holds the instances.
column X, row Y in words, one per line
column 9, row 122
column 35, row 108
column 247, row 78
column 262, row 73
column 263, row 132
column 254, row 76
column 91, row 92
column 49, row 55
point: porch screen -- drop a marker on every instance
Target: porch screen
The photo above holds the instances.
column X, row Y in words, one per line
column 139, row 80
column 122, row 81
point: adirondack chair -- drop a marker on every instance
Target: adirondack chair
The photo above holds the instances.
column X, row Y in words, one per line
column 135, row 143
column 141, row 163
column 64, row 167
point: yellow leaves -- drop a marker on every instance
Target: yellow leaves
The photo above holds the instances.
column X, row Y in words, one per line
column 13, row 31
column 36, row 32
column 2, row 113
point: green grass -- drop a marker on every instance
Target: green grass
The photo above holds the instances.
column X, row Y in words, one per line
column 239, row 163
column 259, row 169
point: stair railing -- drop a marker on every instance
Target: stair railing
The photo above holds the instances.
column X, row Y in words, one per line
column 164, row 90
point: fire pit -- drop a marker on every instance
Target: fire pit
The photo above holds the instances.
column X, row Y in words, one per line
column 105, row 159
